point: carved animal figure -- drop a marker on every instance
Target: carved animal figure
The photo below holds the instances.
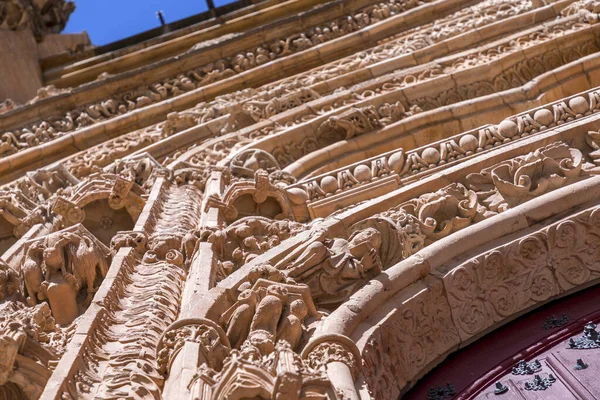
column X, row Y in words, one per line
column 54, row 255
column 87, row 263
column 31, row 270
column 188, row 244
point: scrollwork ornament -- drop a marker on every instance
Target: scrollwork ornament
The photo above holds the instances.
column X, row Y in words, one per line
column 503, row 301
column 565, row 236
column 493, row 265
column 543, row 285
column 594, row 219
column 531, row 248
column 473, row 316
column 573, row 270
column 174, row 257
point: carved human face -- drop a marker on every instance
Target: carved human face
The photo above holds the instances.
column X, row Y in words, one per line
column 299, row 309
column 53, row 257
column 248, row 296
column 369, row 235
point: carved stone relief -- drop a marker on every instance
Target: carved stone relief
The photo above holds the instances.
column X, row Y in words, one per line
column 220, row 285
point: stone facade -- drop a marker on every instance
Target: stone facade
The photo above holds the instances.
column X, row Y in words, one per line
column 297, row 199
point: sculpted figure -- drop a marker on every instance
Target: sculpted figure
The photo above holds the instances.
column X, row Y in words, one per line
column 87, row 263
column 264, row 271
column 137, row 240
column 57, row 267
column 242, row 312
column 31, row 271
column 9, row 281
column 333, row 270
column 54, row 256
column 290, row 328
column 190, row 240
column 269, row 310
column 250, row 237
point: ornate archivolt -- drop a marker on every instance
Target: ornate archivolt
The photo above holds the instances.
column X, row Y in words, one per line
column 248, row 59
column 500, row 11
column 335, row 234
column 132, row 142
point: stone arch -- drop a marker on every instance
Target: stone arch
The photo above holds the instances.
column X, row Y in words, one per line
column 104, row 204
column 408, row 324
column 258, row 197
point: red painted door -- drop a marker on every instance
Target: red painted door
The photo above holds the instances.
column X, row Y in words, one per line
column 533, row 357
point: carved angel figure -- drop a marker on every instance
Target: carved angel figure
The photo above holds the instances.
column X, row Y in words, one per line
column 333, row 269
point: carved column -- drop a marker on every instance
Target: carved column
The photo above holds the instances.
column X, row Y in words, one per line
column 340, row 358
column 187, row 346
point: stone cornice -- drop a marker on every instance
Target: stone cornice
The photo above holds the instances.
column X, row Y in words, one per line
column 175, row 41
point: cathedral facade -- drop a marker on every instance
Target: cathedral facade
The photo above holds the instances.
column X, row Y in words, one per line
column 303, row 199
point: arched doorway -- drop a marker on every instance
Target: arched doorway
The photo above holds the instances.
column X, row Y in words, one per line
column 493, row 367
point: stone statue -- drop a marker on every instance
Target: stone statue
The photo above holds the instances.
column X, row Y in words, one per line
column 238, row 324
column 290, row 328
column 333, row 269
column 269, row 310
column 87, row 264
column 56, row 267
column 31, row 272
column 55, row 257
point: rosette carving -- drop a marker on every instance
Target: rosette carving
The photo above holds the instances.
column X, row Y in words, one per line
column 524, row 272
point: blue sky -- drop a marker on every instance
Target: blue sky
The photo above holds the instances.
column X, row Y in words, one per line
column 109, row 20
